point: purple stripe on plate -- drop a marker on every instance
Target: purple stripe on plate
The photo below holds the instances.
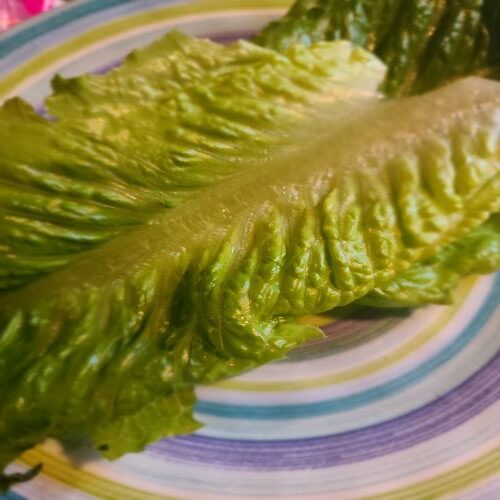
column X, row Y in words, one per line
column 359, row 326
column 233, row 37
column 428, row 422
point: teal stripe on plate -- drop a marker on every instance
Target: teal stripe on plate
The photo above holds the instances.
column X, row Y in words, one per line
column 29, row 31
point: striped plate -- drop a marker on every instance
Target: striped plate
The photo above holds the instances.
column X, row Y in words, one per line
column 392, row 404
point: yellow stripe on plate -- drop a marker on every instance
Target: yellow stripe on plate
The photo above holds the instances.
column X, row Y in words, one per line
column 65, row 472
column 97, row 35
column 456, row 480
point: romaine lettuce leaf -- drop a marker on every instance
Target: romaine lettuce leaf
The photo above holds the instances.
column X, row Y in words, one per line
column 150, row 135
column 434, row 280
column 131, row 145
column 424, row 43
column 353, row 193
column 165, row 416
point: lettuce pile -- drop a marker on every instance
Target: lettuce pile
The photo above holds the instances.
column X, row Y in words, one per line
column 178, row 215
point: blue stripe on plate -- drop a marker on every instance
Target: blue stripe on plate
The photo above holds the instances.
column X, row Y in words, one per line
column 12, row 496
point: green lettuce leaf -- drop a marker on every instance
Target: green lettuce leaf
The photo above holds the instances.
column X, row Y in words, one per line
column 128, row 148
column 163, row 417
column 424, row 43
column 351, row 194
column 434, row 280
column 151, row 135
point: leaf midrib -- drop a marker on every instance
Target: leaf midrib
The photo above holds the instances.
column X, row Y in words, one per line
column 220, row 207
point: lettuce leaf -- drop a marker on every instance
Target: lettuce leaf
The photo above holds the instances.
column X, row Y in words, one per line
column 174, row 294
column 434, row 280
column 165, row 416
column 175, row 118
column 424, row 43
column 125, row 150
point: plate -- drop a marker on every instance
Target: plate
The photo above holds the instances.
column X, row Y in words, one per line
column 391, row 404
